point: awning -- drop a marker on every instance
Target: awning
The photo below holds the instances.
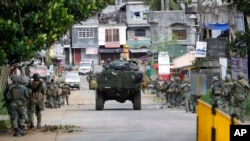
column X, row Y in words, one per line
column 217, row 26
column 139, row 50
column 109, row 50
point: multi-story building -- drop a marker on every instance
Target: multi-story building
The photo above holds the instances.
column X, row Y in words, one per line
column 84, row 40
column 138, row 29
column 111, row 33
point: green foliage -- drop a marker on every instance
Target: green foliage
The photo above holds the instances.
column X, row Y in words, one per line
column 242, row 5
column 30, row 26
column 4, row 125
column 241, row 44
column 207, row 98
column 155, row 5
column 164, row 42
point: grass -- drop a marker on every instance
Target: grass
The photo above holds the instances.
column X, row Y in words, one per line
column 207, row 98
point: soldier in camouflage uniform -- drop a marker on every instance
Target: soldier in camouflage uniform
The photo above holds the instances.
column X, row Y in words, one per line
column 17, row 96
column 65, row 93
column 240, row 97
column 26, row 84
column 227, row 94
column 37, row 100
column 216, row 92
column 178, row 96
column 52, row 94
column 170, row 93
column 186, row 92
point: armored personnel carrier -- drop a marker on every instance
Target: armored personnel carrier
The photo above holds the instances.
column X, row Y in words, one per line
column 120, row 81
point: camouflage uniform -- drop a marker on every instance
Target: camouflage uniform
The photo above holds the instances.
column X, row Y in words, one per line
column 65, row 93
column 165, row 87
column 17, row 96
column 37, row 100
column 178, row 96
column 186, row 92
column 216, row 92
column 227, row 94
column 170, row 92
column 52, row 94
column 240, row 96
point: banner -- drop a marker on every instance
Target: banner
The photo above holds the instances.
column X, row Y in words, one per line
column 163, row 58
column 201, row 49
column 163, row 69
column 239, row 65
column 91, row 50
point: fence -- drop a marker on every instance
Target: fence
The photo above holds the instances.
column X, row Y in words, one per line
column 212, row 123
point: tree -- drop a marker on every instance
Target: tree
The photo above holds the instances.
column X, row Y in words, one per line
column 155, row 5
column 28, row 26
column 241, row 44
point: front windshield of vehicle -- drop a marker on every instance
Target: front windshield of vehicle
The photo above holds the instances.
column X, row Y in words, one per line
column 85, row 64
column 70, row 75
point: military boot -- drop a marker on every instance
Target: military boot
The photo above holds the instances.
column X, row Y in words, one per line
column 22, row 130
column 39, row 122
column 16, row 132
column 31, row 125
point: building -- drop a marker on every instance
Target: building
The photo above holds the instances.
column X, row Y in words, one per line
column 84, row 39
column 138, row 29
column 111, row 33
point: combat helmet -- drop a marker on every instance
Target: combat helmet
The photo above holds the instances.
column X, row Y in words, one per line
column 228, row 77
column 36, row 76
column 240, row 75
column 16, row 79
column 215, row 78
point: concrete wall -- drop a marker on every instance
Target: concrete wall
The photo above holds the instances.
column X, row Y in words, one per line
column 162, row 23
column 84, row 42
column 132, row 7
column 131, row 32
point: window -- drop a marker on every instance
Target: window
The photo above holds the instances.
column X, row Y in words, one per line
column 181, row 34
column 86, row 33
column 112, row 35
column 140, row 32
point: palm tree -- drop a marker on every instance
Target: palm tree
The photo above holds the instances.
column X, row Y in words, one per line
column 155, row 5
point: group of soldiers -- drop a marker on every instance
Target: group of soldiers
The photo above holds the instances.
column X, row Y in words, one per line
column 228, row 95
column 231, row 95
column 26, row 100
column 176, row 93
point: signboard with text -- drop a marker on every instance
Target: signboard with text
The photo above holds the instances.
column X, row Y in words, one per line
column 201, row 49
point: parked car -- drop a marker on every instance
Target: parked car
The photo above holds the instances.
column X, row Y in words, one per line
column 73, row 79
column 68, row 67
column 86, row 66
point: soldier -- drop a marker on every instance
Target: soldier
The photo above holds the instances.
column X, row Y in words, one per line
column 26, row 84
column 65, row 93
column 216, row 92
column 52, row 94
column 17, row 96
column 227, row 94
column 241, row 91
column 36, row 100
column 178, row 96
column 170, row 92
column 165, row 87
column 186, row 92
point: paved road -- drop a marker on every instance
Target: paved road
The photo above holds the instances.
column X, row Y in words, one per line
column 117, row 122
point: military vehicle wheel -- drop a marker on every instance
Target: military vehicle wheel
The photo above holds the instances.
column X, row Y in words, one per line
column 137, row 100
column 99, row 103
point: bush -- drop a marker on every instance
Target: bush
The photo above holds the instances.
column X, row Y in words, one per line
column 207, row 98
